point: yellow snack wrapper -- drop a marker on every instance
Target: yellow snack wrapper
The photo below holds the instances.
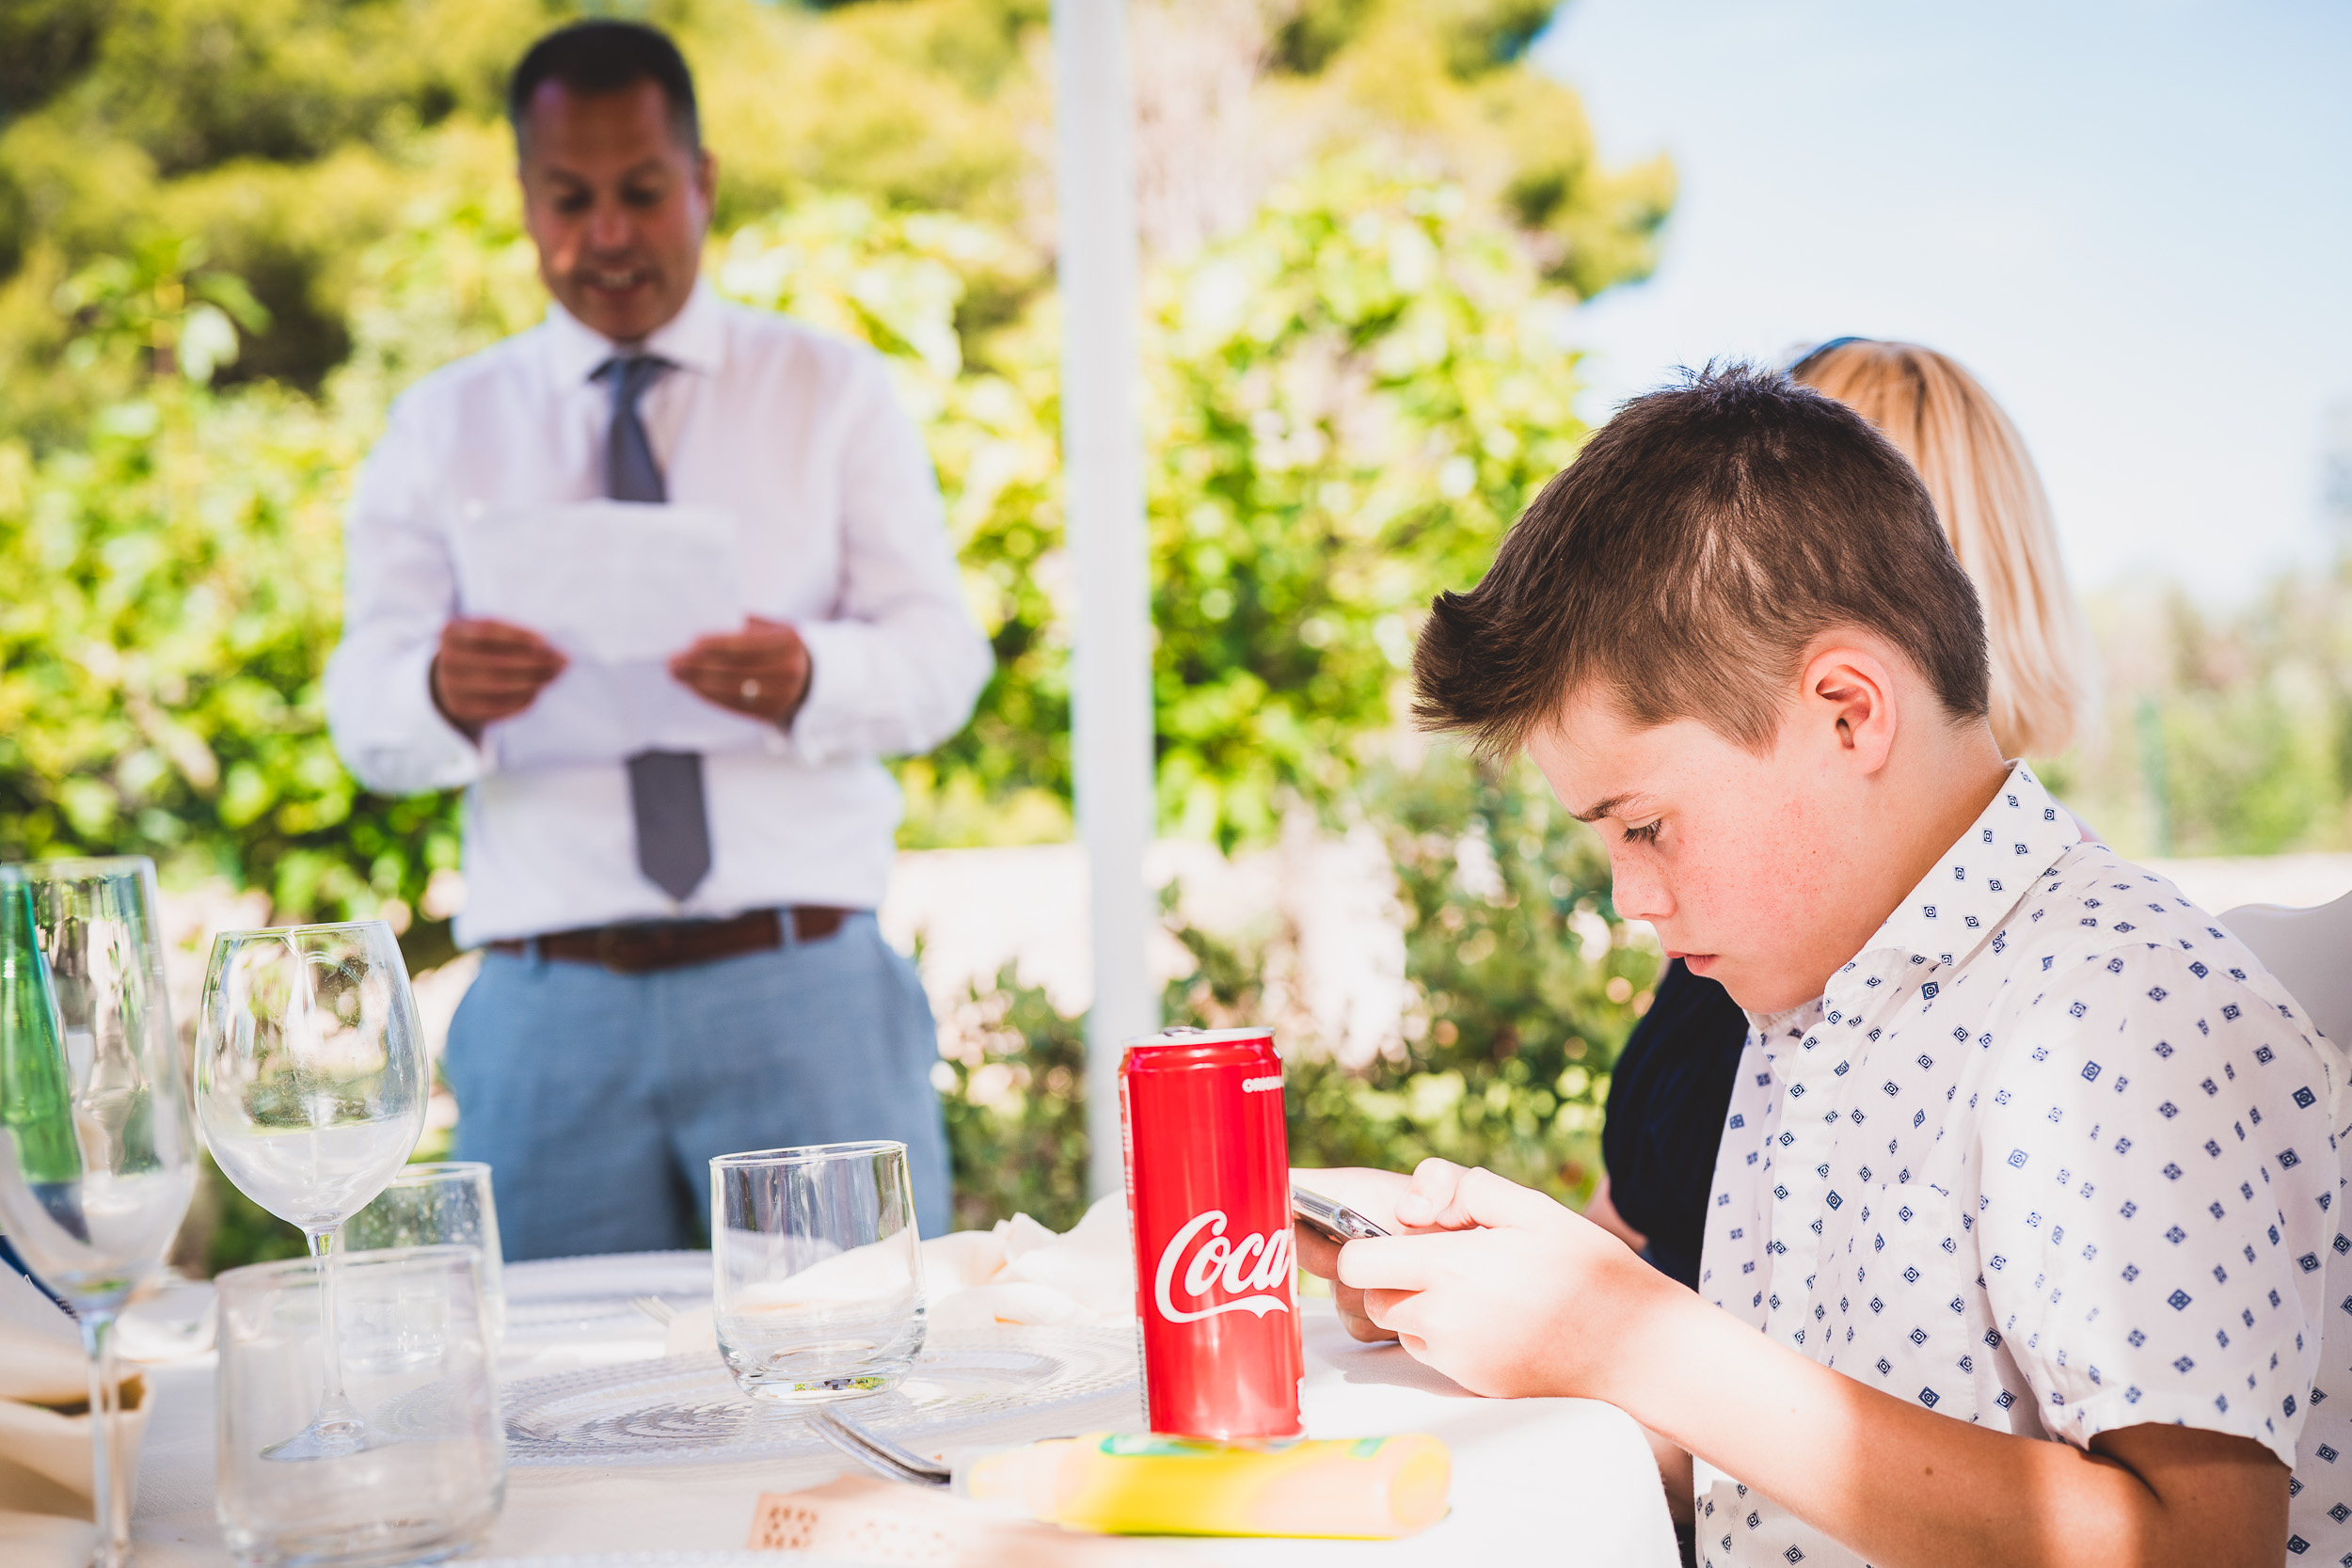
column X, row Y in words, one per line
column 1364, row 1489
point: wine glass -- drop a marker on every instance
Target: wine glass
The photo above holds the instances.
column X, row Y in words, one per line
column 310, row 1087
column 97, row 1159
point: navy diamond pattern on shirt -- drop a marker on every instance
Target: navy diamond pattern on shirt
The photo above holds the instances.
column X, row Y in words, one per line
column 2088, row 1195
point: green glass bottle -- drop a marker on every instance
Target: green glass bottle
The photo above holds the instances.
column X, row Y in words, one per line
column 36, row 1089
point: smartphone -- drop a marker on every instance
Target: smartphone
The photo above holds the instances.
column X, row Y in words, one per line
column 1334, row 1222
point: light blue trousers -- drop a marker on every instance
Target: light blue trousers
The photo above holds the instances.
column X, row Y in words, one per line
column 599, row 1099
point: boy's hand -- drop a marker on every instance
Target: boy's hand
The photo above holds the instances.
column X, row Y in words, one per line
column 1517, row 1297
column 1371, row 1194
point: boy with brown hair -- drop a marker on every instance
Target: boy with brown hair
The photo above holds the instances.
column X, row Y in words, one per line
column 2022, row 1224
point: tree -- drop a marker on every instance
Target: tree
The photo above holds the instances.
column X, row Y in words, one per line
column 291, row 136
column 175, row 584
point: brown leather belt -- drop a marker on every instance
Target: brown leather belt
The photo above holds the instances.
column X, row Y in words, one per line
column 655, row 945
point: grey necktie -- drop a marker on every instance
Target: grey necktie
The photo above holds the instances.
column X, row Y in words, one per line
column 665, row 788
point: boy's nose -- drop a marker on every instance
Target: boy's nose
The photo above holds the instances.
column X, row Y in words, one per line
column 1640, row 894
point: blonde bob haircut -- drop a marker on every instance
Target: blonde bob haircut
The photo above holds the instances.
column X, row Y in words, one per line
column 1990, row 503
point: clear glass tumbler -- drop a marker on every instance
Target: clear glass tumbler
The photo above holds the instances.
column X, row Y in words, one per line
column 415, row 1360
column 445, row 1203
column 817, row 1283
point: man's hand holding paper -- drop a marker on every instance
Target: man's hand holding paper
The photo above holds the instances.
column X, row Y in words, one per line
column 488, row 669
column 642, row 606
column 762, row 671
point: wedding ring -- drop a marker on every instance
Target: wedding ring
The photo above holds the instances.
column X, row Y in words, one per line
column 751, row 690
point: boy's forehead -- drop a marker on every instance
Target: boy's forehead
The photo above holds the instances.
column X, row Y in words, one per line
column 1600, row 763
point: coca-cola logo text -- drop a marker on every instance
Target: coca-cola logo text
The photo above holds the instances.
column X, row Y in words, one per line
column 1200, row 1259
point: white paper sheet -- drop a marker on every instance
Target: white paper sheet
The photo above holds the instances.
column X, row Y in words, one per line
column 620, row 587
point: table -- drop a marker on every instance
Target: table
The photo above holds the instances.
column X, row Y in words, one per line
column 1550, row 1482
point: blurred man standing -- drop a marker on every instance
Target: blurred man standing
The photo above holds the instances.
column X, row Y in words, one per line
column 683, row 958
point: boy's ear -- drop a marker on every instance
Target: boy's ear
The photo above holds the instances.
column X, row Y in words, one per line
column 1847, row 701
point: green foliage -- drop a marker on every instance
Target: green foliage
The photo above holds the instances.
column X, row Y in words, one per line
column 2223, row 734
column 178, row 581
column 1350, row 401
column 294, row 212
column 231, row 233
column 1524, row 982
column 1013, row 1090
column 291, row 136
column 1351, row 398
column 226, row 1230
column 1444, row 80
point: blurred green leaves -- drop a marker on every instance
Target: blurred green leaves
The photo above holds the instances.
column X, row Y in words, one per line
column 2225, row 732
column 1350, row 400
column 176, row 586
column 1523, row 982
column 1523, row 985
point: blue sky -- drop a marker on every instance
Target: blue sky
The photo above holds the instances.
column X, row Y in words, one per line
column 2133, row 222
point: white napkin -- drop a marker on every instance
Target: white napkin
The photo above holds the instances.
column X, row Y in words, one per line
column 1018, row 1273
column 1021, row 1273
column 44, row 1451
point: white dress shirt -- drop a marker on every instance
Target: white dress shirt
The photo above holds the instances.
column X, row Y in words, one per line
column 2053, row 1154
column 794, row 431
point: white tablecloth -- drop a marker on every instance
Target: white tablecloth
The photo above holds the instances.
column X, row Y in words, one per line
column 1535, row 1481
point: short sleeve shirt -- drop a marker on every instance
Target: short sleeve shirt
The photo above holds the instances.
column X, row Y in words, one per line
column 2055, row 1154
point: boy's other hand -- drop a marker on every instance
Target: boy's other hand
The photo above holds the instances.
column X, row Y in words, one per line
column 1371, row 1194
column 1514, row 1296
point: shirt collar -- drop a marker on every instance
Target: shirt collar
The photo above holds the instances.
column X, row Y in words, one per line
column 693, row 339
column 1976, row 881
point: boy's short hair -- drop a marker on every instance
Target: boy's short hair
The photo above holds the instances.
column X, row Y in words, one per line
column 1687, row 556
column 593, row 58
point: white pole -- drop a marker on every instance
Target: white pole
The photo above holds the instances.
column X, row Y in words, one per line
column 1103, row 468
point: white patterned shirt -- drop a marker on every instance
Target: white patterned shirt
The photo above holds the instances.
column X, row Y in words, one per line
column 2053, row 1154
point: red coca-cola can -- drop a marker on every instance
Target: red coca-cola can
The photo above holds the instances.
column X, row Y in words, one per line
column 1208, row 1187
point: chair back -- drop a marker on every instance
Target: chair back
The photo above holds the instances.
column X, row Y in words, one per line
column 2310, row 953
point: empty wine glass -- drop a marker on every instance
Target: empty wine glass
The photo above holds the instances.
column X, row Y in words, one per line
column 97, row 1159
column 310, row 1087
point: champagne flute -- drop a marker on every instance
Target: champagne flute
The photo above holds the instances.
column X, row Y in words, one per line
column 97, row 1159
column 310, row 1087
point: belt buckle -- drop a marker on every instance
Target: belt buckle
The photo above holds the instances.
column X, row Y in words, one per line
column 631, row 949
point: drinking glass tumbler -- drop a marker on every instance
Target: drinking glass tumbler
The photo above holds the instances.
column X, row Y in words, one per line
column 817, row 1284
column 443, row 1204
column 415, row 1360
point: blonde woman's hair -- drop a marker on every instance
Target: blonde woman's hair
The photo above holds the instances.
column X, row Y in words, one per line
column 1990, row 503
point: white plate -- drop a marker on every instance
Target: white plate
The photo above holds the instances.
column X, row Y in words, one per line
column 661, row 1559
column 575, row 1298
column 686, row 1409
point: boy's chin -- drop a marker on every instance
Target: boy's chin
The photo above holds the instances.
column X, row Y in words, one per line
column 1751, row 985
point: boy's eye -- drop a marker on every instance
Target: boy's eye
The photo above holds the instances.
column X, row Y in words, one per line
column 1645, row 834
